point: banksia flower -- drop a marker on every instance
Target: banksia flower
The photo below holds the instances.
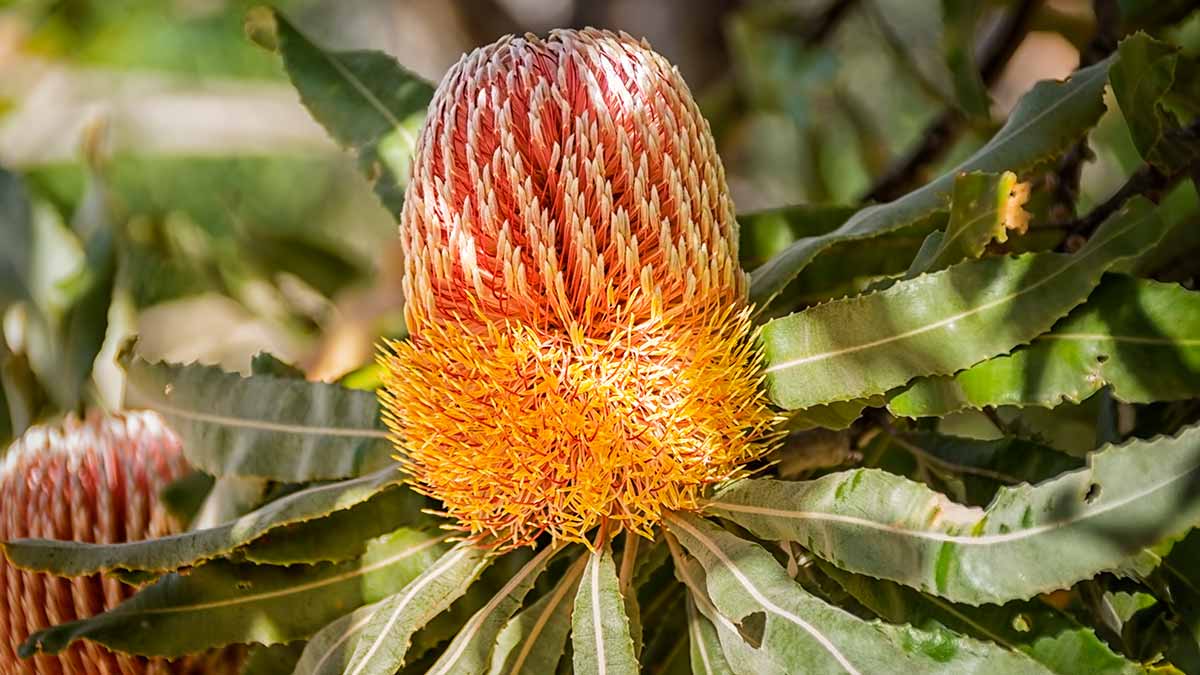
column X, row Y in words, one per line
column 580, row 347
column 95, row 481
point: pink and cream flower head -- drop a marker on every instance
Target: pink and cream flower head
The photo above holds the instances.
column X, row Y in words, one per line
column 580, row 349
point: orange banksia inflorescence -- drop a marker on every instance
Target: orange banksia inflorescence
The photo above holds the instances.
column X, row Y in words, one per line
column 97, row 481
column 580, row 346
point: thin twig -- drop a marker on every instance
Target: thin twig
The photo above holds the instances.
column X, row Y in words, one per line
column 922, row 455
column 819, row 29
column 1147, row 181
column 1063, row 182
column 993, row 417
column 938, row 136
column 896, row 44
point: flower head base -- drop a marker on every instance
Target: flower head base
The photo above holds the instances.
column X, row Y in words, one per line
column 581, row 349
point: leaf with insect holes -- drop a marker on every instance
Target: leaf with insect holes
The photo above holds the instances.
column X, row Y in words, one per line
column 866, row 521
column 982, row 210
column 801, row 633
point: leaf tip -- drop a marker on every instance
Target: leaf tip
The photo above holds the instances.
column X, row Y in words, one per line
column 261, row 27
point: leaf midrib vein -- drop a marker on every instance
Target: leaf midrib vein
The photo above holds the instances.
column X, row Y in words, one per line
column 467, row 634
column 966, row 540
column 763, row 600
column 1070, row 264
column 139, row 397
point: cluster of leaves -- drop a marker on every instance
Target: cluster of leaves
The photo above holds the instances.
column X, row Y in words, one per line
column 966, row 537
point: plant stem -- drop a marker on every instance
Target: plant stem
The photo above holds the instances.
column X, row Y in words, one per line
column 628, row 559
column 938, row 136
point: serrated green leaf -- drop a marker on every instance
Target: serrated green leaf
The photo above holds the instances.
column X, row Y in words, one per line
column 1140, row 337
column 166, row 554
column 943, row 322
column 16, row 239
column 534, row 640
column 1142, row 78
column 471, row 649
column 224, row 603
column 262, row 426
column 70, row 558
column 1045, row 122
column 1045, row 634
column 265, row 363
column 802, row 633
column 342, row 534
column 364, row 99
column 871, row 522
column 599, row 627
column 382, row 637
column 978, row 216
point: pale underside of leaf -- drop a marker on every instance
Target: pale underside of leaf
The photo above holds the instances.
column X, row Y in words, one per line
column 1130, row 497
column 706, row 655
column 470, row 651
column 381, row 643
column 739, row 655
column 534, row 640
column 326, row 652
column 804, row 634
column 600, row 628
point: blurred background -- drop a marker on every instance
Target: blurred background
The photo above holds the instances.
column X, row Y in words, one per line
column 244, row 228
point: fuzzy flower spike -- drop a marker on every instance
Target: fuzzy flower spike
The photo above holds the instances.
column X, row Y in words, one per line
column 580, row 346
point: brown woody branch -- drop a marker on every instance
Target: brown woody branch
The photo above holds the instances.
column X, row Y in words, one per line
column 1064, row 181
column 1147, row 181
column 938, row 136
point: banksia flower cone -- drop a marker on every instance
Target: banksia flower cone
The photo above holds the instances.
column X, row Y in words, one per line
column 580, row 348
column 90, row 481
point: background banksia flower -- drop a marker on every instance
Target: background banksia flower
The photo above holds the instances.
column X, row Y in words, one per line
column 93, row 481
column 580, row 344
